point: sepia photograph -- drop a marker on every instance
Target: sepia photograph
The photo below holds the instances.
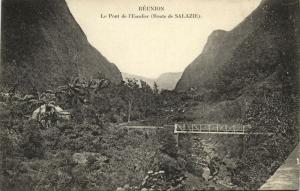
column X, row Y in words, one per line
column 149, row 95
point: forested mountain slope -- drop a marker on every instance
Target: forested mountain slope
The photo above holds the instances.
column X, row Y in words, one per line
column 43, row 46
column 249, row 75
column 261, row 47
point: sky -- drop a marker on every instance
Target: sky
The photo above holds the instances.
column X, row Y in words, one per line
column 152, row 46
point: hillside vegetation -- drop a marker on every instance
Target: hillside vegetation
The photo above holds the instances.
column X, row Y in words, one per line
column 261, row 48
column 42, row 47
column 250, row 75
column 91, row 151
column 94, row 151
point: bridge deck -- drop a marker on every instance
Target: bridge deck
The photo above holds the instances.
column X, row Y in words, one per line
column 211, row 128
column 203, row 129
column 141, row 127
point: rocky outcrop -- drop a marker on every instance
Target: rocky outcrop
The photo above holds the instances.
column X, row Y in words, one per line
column 43, row 46
column 264, row 44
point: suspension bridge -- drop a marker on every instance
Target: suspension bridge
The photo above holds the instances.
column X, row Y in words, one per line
column 213, row 128
column 185, row 128
column 220, row 129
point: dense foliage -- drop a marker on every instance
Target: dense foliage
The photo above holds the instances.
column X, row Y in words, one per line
column 93, row 151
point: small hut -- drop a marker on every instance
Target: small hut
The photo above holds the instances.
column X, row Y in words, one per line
column 49, row 113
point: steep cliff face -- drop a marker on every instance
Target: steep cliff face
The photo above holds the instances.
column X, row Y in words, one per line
column 43, row 46
column 261, row 46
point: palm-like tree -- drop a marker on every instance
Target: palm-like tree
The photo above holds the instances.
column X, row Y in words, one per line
column 78, row 91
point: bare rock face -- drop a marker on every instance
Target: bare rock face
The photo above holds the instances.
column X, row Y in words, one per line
column 264, row 44
column 43, row 46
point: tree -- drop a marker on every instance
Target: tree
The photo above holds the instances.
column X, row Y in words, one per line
column 155, row 88
column 129, row 93
column 146, row 100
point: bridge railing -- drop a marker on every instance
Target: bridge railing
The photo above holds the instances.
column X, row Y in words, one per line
column 211, row 128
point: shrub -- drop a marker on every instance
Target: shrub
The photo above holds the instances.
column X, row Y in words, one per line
column 32, row 141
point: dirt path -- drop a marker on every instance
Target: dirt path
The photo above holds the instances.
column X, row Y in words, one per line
column 287, row 176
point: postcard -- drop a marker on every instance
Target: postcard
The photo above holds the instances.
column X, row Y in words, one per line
column 149, row 95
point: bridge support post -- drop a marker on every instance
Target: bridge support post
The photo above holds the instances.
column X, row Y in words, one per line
column 177, row 139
